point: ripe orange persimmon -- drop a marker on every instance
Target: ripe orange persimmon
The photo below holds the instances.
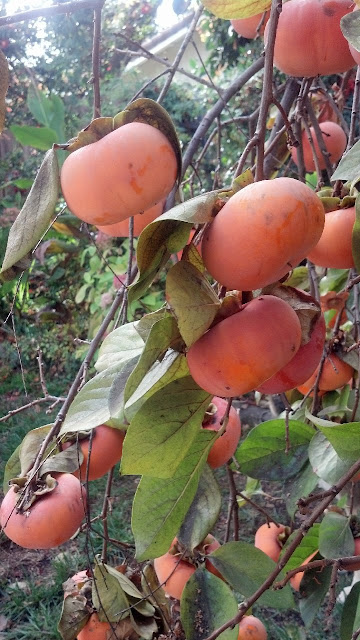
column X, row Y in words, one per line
column 225, row 446
column 141, row 220
column 302, row 365
column 267, row 539
column 335, row 374
column 296, row 579
column 175, row 573
column 106, row 451
column 335, row 142
column 262, row 232
column 129, row 170
column 51, row 520
column 251, row 628
column 334, row 249
column 247, row 27
column 97, row 630
column 309, row 41
column 241, row 352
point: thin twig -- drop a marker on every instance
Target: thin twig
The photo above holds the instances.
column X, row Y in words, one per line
column 96, row 59
column 31, row 14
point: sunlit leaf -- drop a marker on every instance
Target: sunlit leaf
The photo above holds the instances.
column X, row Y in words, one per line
column 229, row 9
column 345, row 438
column 163, row 430
column 120, row 345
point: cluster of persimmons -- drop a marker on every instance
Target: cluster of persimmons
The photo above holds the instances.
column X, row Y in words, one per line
column 259, row 235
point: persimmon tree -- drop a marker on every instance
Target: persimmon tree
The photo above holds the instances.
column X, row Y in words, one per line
column 156, row 377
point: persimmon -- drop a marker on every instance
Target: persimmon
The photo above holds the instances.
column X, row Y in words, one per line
column 296, row 579
column 141, row 220
column 225, row 446
column 129, row 170
column 336, row 301
column 106, row 451
column 242, row 351
column 51, row 520
column 302, row 365
column 267, row 539
column 262, row 232
column 355, row 566
column 97, row 630
column 309, row 41
column 335, row 142
column 251, row 628
column 173, row 573
column 334, row 249
column 248, row 27
column 334, row 375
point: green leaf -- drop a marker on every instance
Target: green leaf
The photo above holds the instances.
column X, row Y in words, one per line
column 308, row 545
column 314, row 587
column 167, row 235
column 4, row 85
column 172, row 366
column 48, row 110
column 350, row 26
column 349, row 166
column 30, row 446
column 192, row 300
column 262, row 454
column 345, row 438
column 35, row 216
column 203, row 513
column 229, row 9
column 163, row 430
column 245, row 568
column 163, row 335
column 350, row 617
column 304, row 483
column 206, row 604
column 120, row 345
column 108, row 596
column 12, row 469
column 117, row 391
column 355, row 238
column 41, row 138
column 91, row 407
column 335, row 537
column 325, row 461
column 160, row 505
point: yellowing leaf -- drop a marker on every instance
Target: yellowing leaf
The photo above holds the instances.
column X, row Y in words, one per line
column 192, row 300
column 229, row 9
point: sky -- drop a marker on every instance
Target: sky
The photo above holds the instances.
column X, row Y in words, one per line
column 165, row 15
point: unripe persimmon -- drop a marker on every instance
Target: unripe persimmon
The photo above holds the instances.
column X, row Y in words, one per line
column 51, row 520
column 334, row 249
column 174, row 573
column 309, row 41
column 334, row 375
column 335, row 142
column 129, row 170
column 225, row 446
column 106, row 451
column 241, row 352
column 302, row 365
column 141, row 220
column 251, row 628
column 248, row 27
column 262, row 232
column 267, row 539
